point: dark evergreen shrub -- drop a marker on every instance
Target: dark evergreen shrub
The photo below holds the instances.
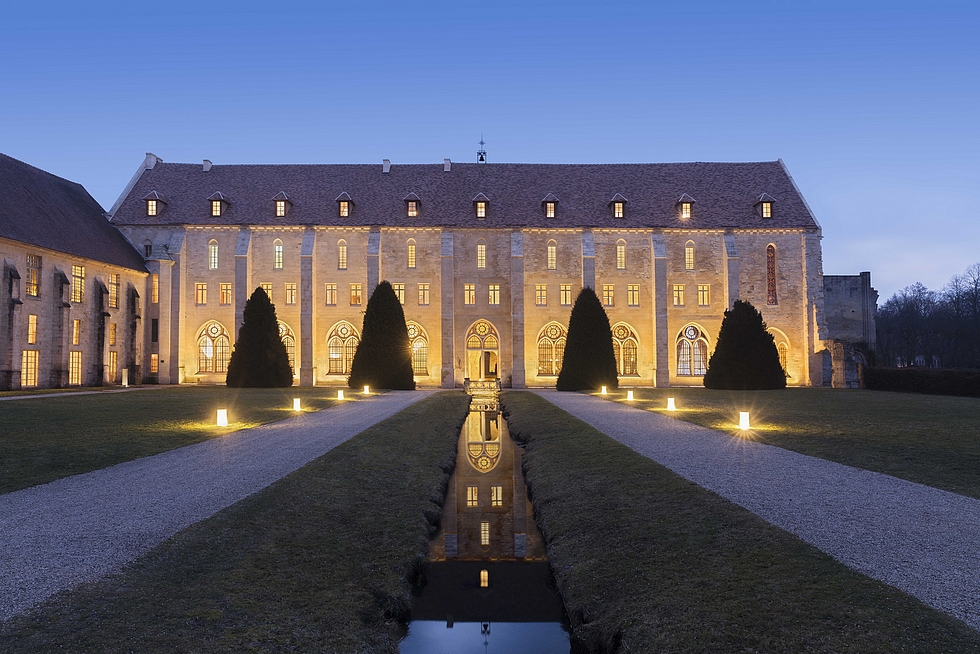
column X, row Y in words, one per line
column 931, row 381
column 383, row 358
column 745, row 357
column 259, row 359
column 589, row 362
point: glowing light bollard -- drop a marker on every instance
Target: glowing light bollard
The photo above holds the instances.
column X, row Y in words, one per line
column 367, row 390
column 743, row 420
column 670, row 404
column 629, row 396
column 340, row 394
column 296, row 404
column 603, row 391
column 222, row 417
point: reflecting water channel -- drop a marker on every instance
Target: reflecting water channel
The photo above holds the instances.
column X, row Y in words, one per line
column 488, row 584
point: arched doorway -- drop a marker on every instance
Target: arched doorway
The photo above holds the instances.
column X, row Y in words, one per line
column 419, row 342
column 482, row 351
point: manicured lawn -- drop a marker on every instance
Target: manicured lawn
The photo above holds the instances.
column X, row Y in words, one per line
column 317, row 562
column 649, row 561
column 46, row 438
column 930, row 439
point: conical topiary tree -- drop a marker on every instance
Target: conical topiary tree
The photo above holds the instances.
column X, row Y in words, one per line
column 745, row 357
column 259, row 359
column 383, row 358
column 589, row 362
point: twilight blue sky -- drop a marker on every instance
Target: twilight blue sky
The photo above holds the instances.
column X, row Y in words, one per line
column 873, row 106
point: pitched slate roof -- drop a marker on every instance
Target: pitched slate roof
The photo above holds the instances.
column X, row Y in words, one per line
column 726, row 193
column 48, row 211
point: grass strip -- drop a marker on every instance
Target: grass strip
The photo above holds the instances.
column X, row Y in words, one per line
column 648, row 561
column 929, row 439
column 316, row 562
column 43, row 439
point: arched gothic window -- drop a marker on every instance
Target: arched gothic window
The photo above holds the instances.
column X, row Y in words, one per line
column 551, row 349
column 783, row 350
column 341, row 254
column 689, row 256
column 213, row 348
column 625, row 348
column 341, row 344
column 411, row 253
column 621, row 255
column 552, row 255
column 289, row 340
column 692, row 352
column 213, row 255
column 420, row 348
column 771, row 298
column 277, row 254
column 481, row 254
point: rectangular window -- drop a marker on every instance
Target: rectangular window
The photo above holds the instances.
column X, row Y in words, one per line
column 280, row 208
column 685, row 210
column 618, row 209
column 413, row 208
column 411, row 255
column 423, row 294
column 154, row 288
column 331, row 294
column 76, row 331
column 496, row 496
column 75, row 367
column 215, row 207
column 472, row 496
column 225, row 293
column 549, row 209
column 399, row 290
column 33, row 282
column 704, row 296
column 277, row 256
column 767, row 209
column 355, row 294
column 212, row 256
column 541, row 294
column 291, row 293
column 267, row 287
column 154, row 363
column 155, row 330
column 494, row 294
column 341, row 256
column 113, row 291
column 112, row 333
column 344, row 208
column 678, row 295
column 481, row 255
column 633, row 295
column 77, row 284
column 469, row 294
column 151, row 207
column 609, row 294
column 552, row 256
column 621, row 256
column 484, row 533
column 28, row 369
column 566, row 295
column 201, row 293
column 481, row 209
column 112, row 367
column 147, row 250
column 32, row 329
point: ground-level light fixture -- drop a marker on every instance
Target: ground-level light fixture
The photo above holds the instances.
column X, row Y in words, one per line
column 484, row 578
column 340, row 394
column 670, row 404
column 743, row 420
column 296, row 404
column 629, row 396
column 222, row 417
column 367, row 390
column 603, row 391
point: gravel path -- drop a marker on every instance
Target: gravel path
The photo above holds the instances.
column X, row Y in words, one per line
column 920, row 539
column 78, row 529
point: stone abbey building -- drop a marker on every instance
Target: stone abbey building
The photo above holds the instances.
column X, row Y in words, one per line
column 486, row 258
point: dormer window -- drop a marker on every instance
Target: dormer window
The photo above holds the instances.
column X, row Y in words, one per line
column 413, row 208
column 154, row 203
column 151, row 207
column 280, row 208
column 767, row 209
column 617, row 209
column 282, row 204
column 480, row 205
column 618, row 206
column 344, row 205
column 764, row 205
column 215, row 207
column 550, row 204
column 685, row 206
column 344, row 208
column 218, row 203
column 685, row 209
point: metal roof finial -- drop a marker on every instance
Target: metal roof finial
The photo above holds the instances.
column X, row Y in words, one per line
column 481, row 154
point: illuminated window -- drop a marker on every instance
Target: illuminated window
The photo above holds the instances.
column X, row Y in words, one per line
column 469, row 294
column 413, row 208
column 341, row 346
column 685, row 209
column 344, row 208
column 411, row 253
column 32, row 329
column 277, row 254
column 472, row 496
column 331, row 294
column 267, row 287
column 154, row 288
column 291, row 293
column 225, row 289
column 485, row 534
column 552, row 255
column 154, row 363
column 689, row 256
column 213, row 255
column 77, row 284
column 771, row 298
column 625, row 348
column 767, row 209
column 289, row 341
column 75, row 368
column 113, row 288
column 33, row 282
column 420, row 348
column 621, row 255
column 201, row 293
column 496, row 496
column 692, row 352
column 112, row 367
column 280, row 208
column 76, row 331
column 609, row 294
column 633, row 295
column 678, row 295
column 355, row 294
column 28, row 369
column 481, row 209
column 617, row 209
column 215, row 207
column 551, row 349
column 213, row 348
column 423, row 294
column 399, row 290
column 481, row 255
column 541, row 294
column 704, row 295
column 549, row 209
column 494, row 294
column 783, row 351
column 341, row 255
column 112, row 333
column 484, row 578
column 151, row 207
column 566, row 294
